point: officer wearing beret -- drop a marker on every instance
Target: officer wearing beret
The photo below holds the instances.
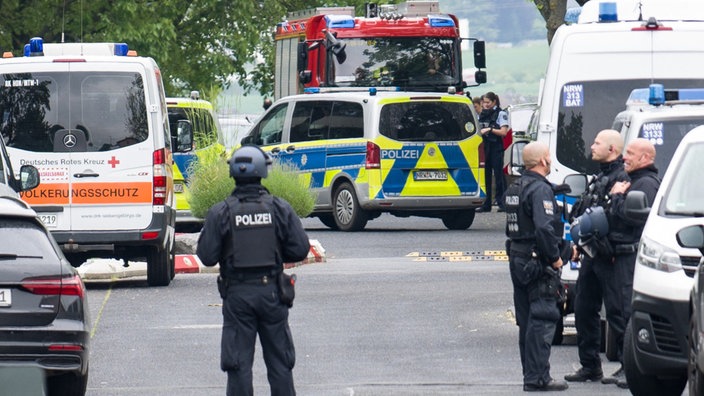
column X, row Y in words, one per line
column 534, row 230
column 251, row 234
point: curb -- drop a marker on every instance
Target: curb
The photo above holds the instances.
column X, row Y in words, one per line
column 101, row 269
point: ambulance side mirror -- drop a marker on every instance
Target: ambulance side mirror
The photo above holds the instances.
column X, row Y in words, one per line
column 517, row 165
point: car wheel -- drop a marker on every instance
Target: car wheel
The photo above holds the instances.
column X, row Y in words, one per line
column 458, row 219
column 349, row 216
column 695, row 376
column 68, row 384
column 611, row 348
column 642, row 384
column 159, row 264
column 328, row 220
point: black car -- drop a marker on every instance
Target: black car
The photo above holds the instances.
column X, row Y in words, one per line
column 43, row 309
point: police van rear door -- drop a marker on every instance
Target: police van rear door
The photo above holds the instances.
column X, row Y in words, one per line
column 429, row 147
column 85, row 126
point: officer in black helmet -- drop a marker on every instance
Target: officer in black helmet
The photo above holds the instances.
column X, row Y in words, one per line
column 535, row 256
column 251, row 234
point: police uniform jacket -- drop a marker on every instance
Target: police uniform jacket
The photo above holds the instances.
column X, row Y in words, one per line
column 495, row 117
column 645, row 180
column 293, row 241
column 537, row 206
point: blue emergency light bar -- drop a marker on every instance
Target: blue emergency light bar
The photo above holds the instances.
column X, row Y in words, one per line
column 607, row 12
column 36, row 47
column 339, row 21
column 440, row 21
column 372, row 90
column 656, row 95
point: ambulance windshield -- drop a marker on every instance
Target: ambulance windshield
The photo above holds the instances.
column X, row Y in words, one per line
column 70, row 112
column 405, row 62
column 587, row 107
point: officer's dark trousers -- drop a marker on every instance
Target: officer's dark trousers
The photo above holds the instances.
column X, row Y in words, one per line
column 626, row 264
column 250, row 309
column 599, row 281
column 494, row 168
column 534, row 334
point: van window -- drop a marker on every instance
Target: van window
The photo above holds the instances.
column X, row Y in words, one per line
column 270, row 128
column 205, row 130
column 426, row 121
column 684, row 197
column 318, row 120
column 104, row 111
column 587, row 107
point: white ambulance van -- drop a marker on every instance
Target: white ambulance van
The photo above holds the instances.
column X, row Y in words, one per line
column 93, row 119
column 615, row 47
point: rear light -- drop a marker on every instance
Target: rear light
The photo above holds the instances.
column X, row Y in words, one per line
column 150, row 235
column 159, row 192
column 65, row 347
column 373, row 160
column 55, row 285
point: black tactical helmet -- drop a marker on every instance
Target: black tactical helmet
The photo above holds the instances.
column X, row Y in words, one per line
column 249, row 162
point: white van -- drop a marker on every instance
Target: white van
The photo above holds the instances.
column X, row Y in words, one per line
column 655, row 346
column 93, row 119
column 615, row 47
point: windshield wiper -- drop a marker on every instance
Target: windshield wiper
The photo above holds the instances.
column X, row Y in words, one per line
column 685, row 214
column 11, row 256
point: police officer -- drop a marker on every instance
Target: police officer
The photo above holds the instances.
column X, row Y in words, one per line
column 639, row 163
column 251, row 234
column 534, row 230
column 494, row 123
column 598, row 279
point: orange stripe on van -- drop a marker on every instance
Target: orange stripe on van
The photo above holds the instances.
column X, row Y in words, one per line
column 89, row 193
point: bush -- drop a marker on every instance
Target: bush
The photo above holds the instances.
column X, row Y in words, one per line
column 211, row 183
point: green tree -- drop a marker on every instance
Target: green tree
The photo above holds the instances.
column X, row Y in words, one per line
column 553, row 11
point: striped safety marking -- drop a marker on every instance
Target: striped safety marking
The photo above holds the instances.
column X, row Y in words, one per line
column 466, row 255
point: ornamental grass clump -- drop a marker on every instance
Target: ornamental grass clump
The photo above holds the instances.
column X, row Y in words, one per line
column 211, row 183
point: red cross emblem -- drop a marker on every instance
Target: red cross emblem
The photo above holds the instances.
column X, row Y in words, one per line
column 113, row 161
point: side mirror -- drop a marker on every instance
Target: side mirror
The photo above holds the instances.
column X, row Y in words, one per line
column 578, row 184
column 636, row 205
column 336, row 46
column 517, row 165
column 302, row 56
column 305, row 76
column 480, row 55
column 247, row 140
column 691, row 237
column 29, row 177
column 184, row 136
column 480, row 77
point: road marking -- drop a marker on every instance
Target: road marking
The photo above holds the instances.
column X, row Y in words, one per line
column 459, row 256
column 100, row 312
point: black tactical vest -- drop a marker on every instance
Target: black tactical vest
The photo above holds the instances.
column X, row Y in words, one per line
column 253, row 230
column 518, row 228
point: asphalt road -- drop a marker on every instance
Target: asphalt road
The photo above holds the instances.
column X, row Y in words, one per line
column 372, row 320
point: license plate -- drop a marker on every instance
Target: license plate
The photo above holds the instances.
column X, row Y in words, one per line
column 178, row 187
column 49, row 219
column 5, row 297
column 430, row 175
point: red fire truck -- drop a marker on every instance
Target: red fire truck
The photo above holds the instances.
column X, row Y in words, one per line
column 410, row 45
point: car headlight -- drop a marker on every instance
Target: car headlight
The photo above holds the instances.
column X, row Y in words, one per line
column 656, row 256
